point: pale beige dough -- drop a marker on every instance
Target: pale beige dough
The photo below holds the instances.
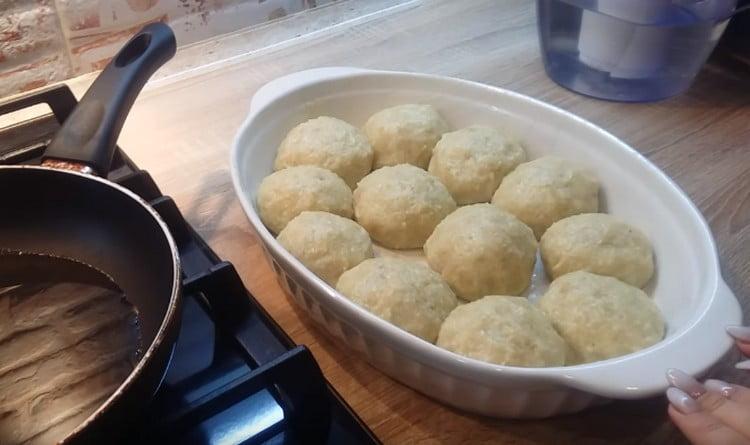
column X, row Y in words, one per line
column 503, row 330
column 405, row 293
column 546, row 190
column 405, row 134
column 597, row 243
column 325, row 243
column 400, row 206
column 287, row 193
column 473, row 161
column 329, row 143
column 482, row 250
column 601, row 317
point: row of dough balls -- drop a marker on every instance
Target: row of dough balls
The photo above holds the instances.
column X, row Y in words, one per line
column 404, row 134
column 597, row 317
column 400, row 206
column 330, row 244
column 471, row 162
column 479, row 249
column 582, row 318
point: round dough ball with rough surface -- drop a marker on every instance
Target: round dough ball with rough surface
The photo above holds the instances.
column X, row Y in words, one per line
column 400, row 206
column 287, row 193
column 329, row 143
column 600, row 244
column 546, row 190
column 325, row 243
column 503, row 330
column 482, row 250
column 472, row 162
column 601, row 317
column 403, row 292
column 405, row 134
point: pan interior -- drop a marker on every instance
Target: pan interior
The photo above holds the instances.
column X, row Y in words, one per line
column 72, row 216
column 66, row 345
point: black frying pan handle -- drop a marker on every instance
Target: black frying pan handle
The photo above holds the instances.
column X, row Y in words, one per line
column 89, row 135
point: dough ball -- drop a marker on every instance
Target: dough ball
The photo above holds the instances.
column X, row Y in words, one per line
column 325, row 243
column 405, row 134
column 400, row 206
column 503, row 330
column 546, row 190
column 601, row 317
column 482, row 250
column 472, row 161
column 600, row 244
column 287, row 193
column 329, row 143
column 406, row 293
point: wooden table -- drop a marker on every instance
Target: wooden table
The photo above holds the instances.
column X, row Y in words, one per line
column 182, row 130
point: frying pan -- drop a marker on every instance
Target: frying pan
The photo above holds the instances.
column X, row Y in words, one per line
column 64, row 209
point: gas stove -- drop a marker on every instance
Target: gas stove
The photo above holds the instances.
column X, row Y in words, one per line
column 235, row 376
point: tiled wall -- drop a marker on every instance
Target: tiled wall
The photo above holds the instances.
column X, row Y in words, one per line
column 42, row 41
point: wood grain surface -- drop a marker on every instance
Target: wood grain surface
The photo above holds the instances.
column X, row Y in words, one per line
column 181, row 132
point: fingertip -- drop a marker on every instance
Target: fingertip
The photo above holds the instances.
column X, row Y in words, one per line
column 740, row 333
column 682, row 401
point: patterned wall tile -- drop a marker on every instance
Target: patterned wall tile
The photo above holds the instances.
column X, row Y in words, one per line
column 42, row 41
column 32, row 50
column 96, row 29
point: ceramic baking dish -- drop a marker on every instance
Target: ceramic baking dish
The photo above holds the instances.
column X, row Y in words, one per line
column 688, row 287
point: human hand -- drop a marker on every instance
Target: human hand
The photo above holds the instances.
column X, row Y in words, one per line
column 712, row 412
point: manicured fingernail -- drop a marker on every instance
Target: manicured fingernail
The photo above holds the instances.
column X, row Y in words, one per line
column 682, row 402
column 719, row 387
column 686, row 383
column 741, row 333
column 743, row 365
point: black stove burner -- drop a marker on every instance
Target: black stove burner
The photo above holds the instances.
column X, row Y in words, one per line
column 235, row 376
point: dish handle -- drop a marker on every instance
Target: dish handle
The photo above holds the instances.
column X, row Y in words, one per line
column 280, row 86
column 694, row 352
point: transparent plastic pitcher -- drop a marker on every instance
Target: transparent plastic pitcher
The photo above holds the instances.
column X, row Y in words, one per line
column 629, row 50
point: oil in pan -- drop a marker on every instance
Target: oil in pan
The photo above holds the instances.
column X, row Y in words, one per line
column 68, row 339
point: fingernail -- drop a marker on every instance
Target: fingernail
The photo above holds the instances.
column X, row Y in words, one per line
column 682, row 402
column 743, row 365
column 719, row 387
column 741, row 333
column 686, row 383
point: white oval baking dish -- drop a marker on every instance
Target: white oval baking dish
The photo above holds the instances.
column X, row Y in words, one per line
column 688, row 287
